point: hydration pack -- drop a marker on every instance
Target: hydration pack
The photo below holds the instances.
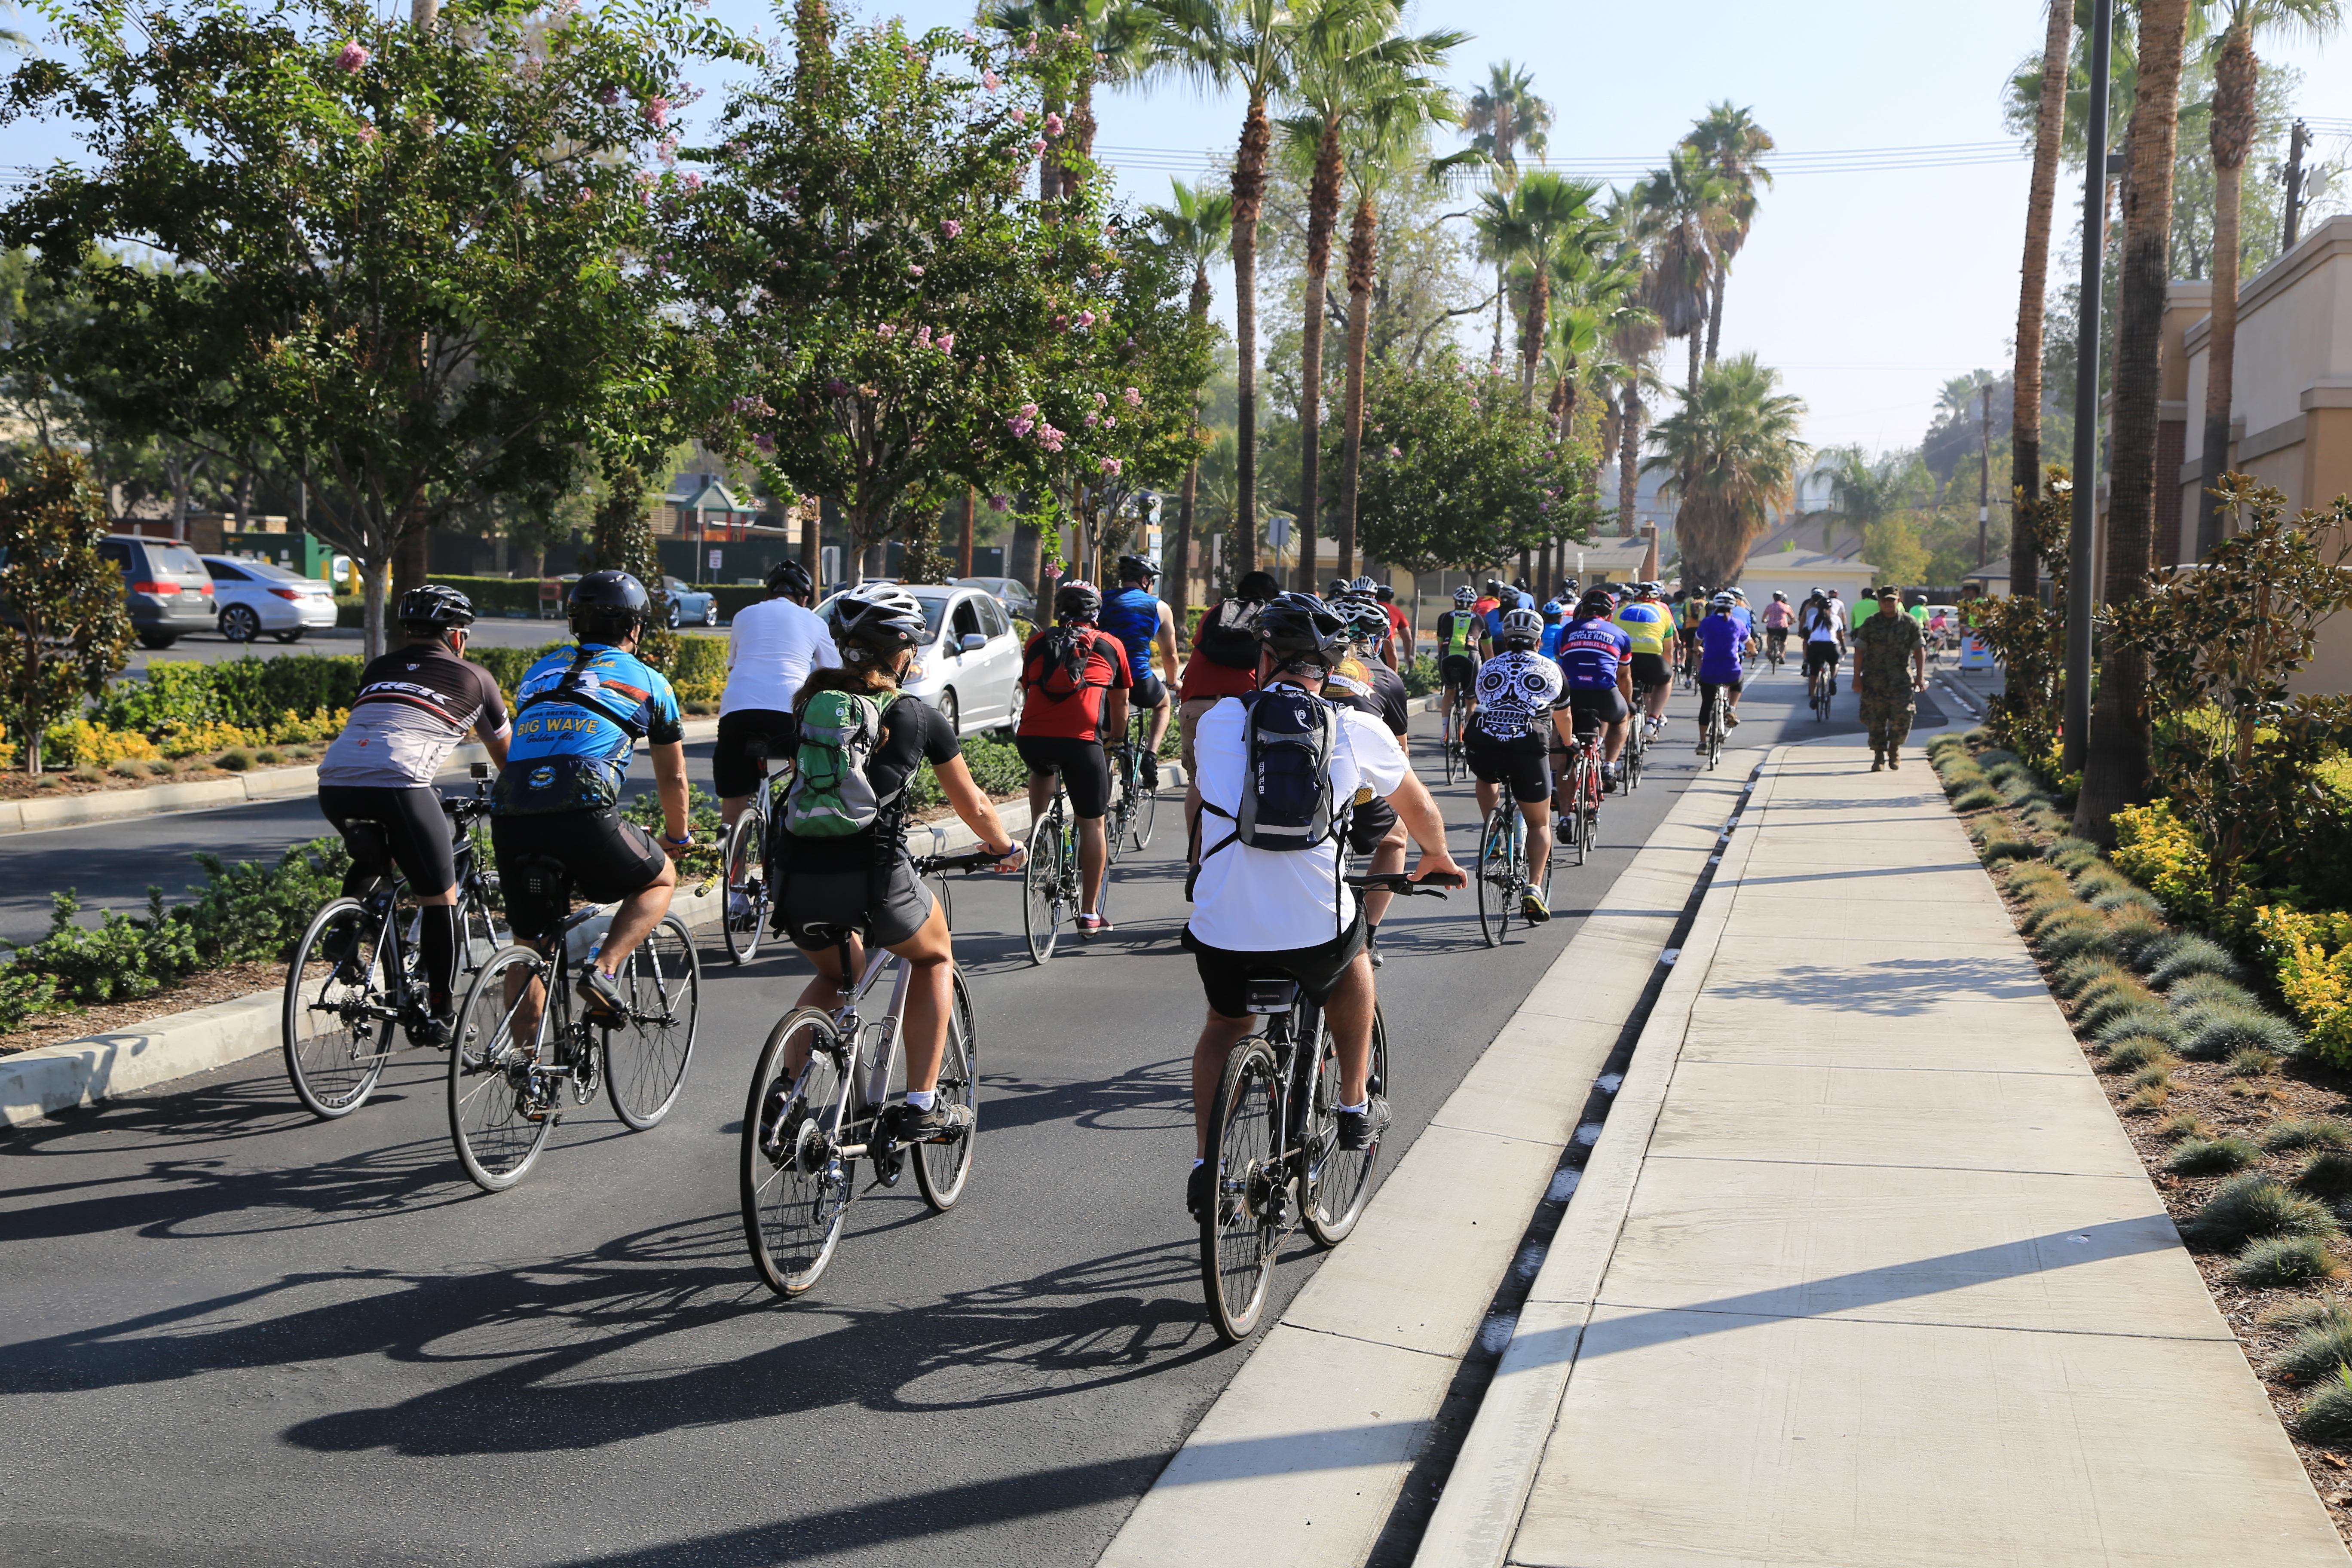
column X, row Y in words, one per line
column 1228, row 636
column 1286, row 801
column 831, row 795
column 1059, row 662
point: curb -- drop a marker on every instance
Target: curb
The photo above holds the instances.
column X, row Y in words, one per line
column 1478, row 1513
column 1302, row 1456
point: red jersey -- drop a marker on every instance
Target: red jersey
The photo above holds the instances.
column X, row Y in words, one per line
column 1401, row 629
column 1077, row 716
column 1206, row 678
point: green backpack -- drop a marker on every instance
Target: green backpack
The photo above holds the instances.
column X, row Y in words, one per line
column 831, row 796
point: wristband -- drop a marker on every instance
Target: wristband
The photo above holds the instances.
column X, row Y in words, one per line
column 684, row 843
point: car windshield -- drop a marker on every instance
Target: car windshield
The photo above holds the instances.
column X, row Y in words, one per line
column 272, row 571
column 176, row 560
column 934, row 609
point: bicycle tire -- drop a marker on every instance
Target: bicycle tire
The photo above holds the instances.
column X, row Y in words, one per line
column 746, row 875
column 1040, row 888
column 795, row 1189
column 1495, row 875
column 941, row 1169
column 1636, row 752
column 1120, row 812
column 491, row 1081
column 333, row 1070
column 1147, row 811
column 645, row 1060
column 1581, row 817
column 1249, row 1194
column 1340, row 1182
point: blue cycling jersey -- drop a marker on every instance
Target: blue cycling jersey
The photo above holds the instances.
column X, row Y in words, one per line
column 579, row 713
column 1132, row 616
column 1591, row 650
column 1550, row 648
column 1723, row 650
column 1746, row 621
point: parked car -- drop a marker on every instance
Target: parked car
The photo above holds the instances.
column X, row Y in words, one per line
column 969, row 664
column 257, row 596
column 169, row 592
column 688, row 604
column 1011, row 592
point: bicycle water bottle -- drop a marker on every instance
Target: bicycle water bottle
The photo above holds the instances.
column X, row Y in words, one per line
column 583, row 942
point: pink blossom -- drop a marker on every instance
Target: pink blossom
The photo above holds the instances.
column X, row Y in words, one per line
column 946, row 342
column 1111, row 422
column 1543, row 506
column 1028, row 411
column 1474, row 405
column 999, row 502
column 656, row 113
column 1020, row 116
column 1052, row 124
column 1093, row 419
column 368, row 133
column 990, row 80
column 1110, row 466
column 1130, row 343
column 1035, row 148
column 970, row 37
column 1030, row 47
column 913, row 271
column 951, row 228
column 765, row 442
column 1134, row 396
column 836, row 388
column 1396, row 452
column 922, row 337
column 738, row 147
column 1085, row 317
column 886, row 331
column 1061, row 321
column 694, row 182
column 1020, row 426
column 1102, row 399
column 353, row 57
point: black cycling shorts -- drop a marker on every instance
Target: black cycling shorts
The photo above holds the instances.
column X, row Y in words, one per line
column 1225, row 975
column 607, row 860
column 1650, row 669
column 1368, row 825
column 414, row 833
column 1521, row 763
column 1820, row 655
column 733, row 772
column 1591, row 708
column 1459, row 670
column 1149, row 691
column 1085, row 771
column 890, row 907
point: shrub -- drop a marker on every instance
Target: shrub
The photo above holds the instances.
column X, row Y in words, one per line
column 2324, row 1340
column 2211, row 1157
column 2326, row 1417
column 1420, row 676
column 2312, row 956
column 2070, row 855
column 2004, row 846
column 2043, row 818
column 2135, row 1052
column 2148, row 1101
column 2099, row 878
column 2307, row 1133
column 2253, row 1062
column 23, row 994
column 2121, row 899
column 90, row 774
column 1976, row 797
column 2132, row 930
column 2110, row 999
column 2280, row 1261
column 2158, row 851
column 2198, row 989
column 2070, row 935
column 2251, row 1208
column 2041, row 910
column 237, row 759
column 2214, row 1029
column 128, row 768
column 249, row 693
column 2017, row 787
column 2327, row 1174
column 2032, row 878
column 2077, row 976
column 1993, row 757
column 2187, row 1124
column 162, row 769
column 2154, row 1021
column 2187, row 954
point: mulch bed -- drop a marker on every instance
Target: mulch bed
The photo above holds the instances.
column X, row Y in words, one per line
column 16, row 785
column 200, row 991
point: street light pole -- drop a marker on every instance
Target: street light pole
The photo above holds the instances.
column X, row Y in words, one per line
column 2082, row 555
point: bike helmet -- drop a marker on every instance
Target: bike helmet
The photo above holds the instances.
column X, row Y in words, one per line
column 1300, row 627
column 1596, row 603
column 1738, row 594
column 1256, row 587
column 1465, row 596
column 436, row 606
column 1493, row 587
column 1365, row 585
column 608, row 605
column 1551, row 609
column 1368, row 623
column 1918, row 598
column 1779, row 598
column 877, row 619
column 1076, row 602
column 1720, row 602
column 792, row 579
column 1521, row 628
column 1137, row 569
column 1384, row 594
column 1339, row 587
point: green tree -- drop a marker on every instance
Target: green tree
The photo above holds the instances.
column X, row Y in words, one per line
column 1502, row 118
column 1549, row 219
column 1733, row 146
column 1196, row 225
column 67, row 630
column 2025, row 417
column 1731, row 454
column 1675, row 212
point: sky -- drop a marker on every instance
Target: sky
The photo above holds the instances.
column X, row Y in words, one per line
column 1867, row 286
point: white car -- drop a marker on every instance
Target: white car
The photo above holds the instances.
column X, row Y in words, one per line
column 969, row 664
column 257, row 596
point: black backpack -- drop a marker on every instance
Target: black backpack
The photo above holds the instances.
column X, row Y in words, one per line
column 1060, row 651
column 1287, row 801
column 1228, row 635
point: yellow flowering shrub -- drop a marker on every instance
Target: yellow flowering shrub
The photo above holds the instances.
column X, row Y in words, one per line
column 2311, row 954
column 183, row 739
column 2160, row 852
column 80, row 742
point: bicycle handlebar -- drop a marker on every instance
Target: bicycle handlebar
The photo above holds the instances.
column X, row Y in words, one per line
column 1399, row 883
column 974, row 860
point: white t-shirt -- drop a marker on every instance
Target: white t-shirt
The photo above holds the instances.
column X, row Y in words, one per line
column 770, row 648
column 1271, row 901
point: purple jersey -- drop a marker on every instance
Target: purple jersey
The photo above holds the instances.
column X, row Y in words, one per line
column 1723, row 650
column 1591, row 650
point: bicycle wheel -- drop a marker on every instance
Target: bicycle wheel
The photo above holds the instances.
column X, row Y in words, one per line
column 1119, row 813
column 1635, row 751
column 1340, row 1180
column 335, row 1041
column 645, row 1060
column 500, row 1111
column 1041, row 887
column 1147, row 808
column 746, row 883
column 796, row 1186
column 1250, row 1193
column 1495, row 875
column 1588, row 813
column 940, row 1169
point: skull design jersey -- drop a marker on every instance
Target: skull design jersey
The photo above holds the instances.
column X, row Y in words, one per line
column 1516, row 692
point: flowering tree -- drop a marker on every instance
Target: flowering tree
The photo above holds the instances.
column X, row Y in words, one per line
column 409, row 262
column 897, row 315
column 67, row 630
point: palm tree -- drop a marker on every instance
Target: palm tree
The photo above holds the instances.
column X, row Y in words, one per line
column 1197, row 225
column 2237, row 74
column 1503, row 117
column 1865, row 493
column 1731, row 454
column 2025, row 415
column 1631, row 342
column 2115, row 754
column 1730, row 142
column 1600, row 296
column 1247, row 44
column 1677, row 209
column 1546, row 218
column 1129, row 47
column 1346, row 55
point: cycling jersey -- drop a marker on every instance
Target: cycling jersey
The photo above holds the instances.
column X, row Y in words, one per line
column 1078, row 715
column 1591, row 650
column 579, row 712
column 415, row 704
column 1746, row 621
column 1821, row 623
column 1646, row 625
column 1516, row 691
column 1381, row 693
column 1458, row 632
column 1723, row 650
column 770, row 648
column 1777, row 616
column 1550, row 646
column 1132, row 616
column 1483, row 608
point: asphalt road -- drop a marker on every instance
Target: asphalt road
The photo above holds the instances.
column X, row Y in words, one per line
column 211, row 647
column 230, row 1334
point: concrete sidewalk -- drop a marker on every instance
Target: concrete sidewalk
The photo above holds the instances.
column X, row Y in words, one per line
column 1863, row 1271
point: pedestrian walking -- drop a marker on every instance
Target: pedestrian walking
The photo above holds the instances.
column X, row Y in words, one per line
column 1890, row 666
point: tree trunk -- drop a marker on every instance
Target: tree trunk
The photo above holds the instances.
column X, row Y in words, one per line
column 1695, row 346
column 2025, row 417
column 412, row 560
column 1249, row 190
column 2115, row 762
column 1531, row 347
column 1322, row 217
column 2235, row 77
column 1715, row 308
column 372, row 592
column 1180, row 562
column 1629, row 452
column 1362, row 237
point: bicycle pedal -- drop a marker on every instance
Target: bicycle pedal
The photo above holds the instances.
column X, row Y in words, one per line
column 889, row 1168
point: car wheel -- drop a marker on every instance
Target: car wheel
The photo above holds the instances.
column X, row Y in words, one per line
column 674, row 616
column 952, row 711
column 240, row 623
column 158, row 639
column 710, row 614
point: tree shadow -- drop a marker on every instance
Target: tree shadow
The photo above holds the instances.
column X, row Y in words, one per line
column 1891, row 987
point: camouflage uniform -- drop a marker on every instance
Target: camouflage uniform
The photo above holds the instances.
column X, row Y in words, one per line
column 1884, row 646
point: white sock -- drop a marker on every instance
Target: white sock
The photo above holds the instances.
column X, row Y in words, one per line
column 921, row 1098
column 1359, row 1109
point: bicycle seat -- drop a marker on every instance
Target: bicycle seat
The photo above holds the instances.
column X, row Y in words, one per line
column 1271, row 993
column 367, row 844
column 755, row 748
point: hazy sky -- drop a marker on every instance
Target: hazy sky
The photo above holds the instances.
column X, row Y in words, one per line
column 1866, row 288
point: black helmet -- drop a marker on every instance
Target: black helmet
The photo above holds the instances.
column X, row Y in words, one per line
column 436, row 606
column 1256, row 587
column 609, row 603
column 1076, row 602
column 1339, row 587
column 792, row 578
column 1300, row 625
column 1137, row 569
column 1597, row 601
column 876, row 618
column 1384, row 594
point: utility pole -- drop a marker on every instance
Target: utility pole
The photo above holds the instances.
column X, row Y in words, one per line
column 2297, row 139
column 2082, row 553
column 1984, row 467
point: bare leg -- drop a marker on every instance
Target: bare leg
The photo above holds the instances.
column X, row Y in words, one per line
column 635, row 918
column 1616, row 738
column 731, row 809
column 1387, row 858
column 1348, row 1016
column 1093, row 859
column 1219, row 1036
column 1538, row 815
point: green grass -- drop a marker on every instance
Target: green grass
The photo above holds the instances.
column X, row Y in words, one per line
column 2253, row 1062
column 2198, row 989
column 2223, row 1156
column 2071, row 936
column 2117, row 900
column 2029, row 880
column 2327, row 1174
column 2109, row 999
column 2077, row 976
column 2005, row 846
column 2100, row 878
column 1993, row 757
column 237, row 759
column 2296, row 1134
column 2135, row 1052
column 2043, row 908
column 2187, row 1124
column 2148, row 1021
column 2278, row 1262
column 1976, row 797
column 2156, row 1074
column 2132, row 931
column 2251, row 1208
column 2185, row 954
column 2148, row 1101
column 2213, row 1030
column 2072, row 854
column 2326, row 1417
column 2323, row 1339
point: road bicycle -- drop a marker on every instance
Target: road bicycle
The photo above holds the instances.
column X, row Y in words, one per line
column 1274, row 1136
column 1687, row 669
column 1580, row 823
column 806, row 1127
column 750, row 872
column 1774, row 645
column 1503, row 878
column 357, row 979
column 1134, row 802
column 521, row 1053
column 1824, row 690
column 1050, row 883
column 1450, row 723
column 1637, row 745
column 1715, row 730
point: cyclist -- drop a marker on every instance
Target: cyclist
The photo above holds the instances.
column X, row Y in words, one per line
column 1461, row 643
column 1139, row 619
column 415, row 704
column 1596, row 663
column 770, row 648
column 1550, row 646
column 579, row 714
column 864, row 882
column 1360, row 681
column 1519, row 690
column 1919, row 610
column 1778, row 618
column 1648, row 622
column 1688, row 613
column 1723, row 654
column 1223, row 663
column 1488, row 601
column 1401, row 636
column 1744, row 615
column 1077, row 678
column 1824, row 642
column 1252, row 907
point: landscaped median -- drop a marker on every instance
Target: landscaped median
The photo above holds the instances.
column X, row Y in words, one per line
column 2221, row 1038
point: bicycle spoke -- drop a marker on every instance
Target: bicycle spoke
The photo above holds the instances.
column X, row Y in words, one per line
column 337, row 986
column 501, row 1107
column 1250, row 1191
column 795, row 1184
column 941, row 1169
column 645, row 1060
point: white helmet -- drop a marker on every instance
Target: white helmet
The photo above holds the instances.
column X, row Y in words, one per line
column 1522, row 625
